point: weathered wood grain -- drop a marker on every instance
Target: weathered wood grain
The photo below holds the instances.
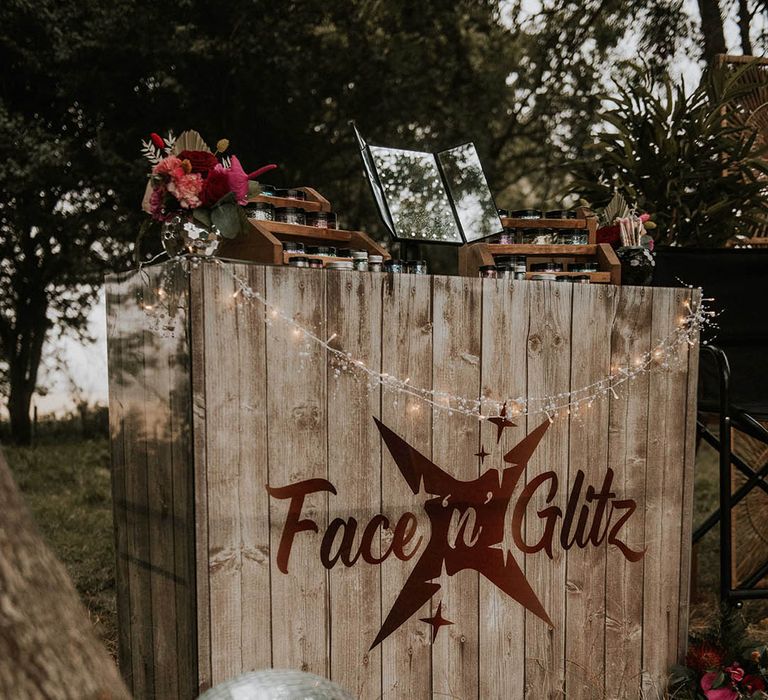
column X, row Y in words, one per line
column 549, row 366
column 664, row 495
column 298, row 449
column 406, row 351
column 455, row 439
column 593, row 308
column 115, row 331
column 354, row 468
column 502, row 620
column 627, row 451
column 210, row 407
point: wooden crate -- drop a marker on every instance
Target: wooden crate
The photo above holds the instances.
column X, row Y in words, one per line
column 263, row 242
column 213, row 402
column 472, row 256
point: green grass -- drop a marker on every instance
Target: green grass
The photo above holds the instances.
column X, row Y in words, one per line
column 67, row 488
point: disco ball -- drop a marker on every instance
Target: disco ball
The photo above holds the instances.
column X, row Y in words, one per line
column 276, row 684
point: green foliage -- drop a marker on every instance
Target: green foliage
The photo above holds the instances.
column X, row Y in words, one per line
column 679, row 156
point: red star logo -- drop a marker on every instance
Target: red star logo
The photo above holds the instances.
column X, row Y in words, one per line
column 437, row 621
column 501, row 422
column 487, row 497
column 482, row 454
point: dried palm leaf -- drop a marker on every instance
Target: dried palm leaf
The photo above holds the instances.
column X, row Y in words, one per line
column 189, row 141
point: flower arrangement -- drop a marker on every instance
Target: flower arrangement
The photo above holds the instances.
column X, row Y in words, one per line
column 622, row 226
column 722, row 665
column 188, row 178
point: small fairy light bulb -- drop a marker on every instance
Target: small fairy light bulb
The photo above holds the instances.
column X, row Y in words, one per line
column 273, row 313
column 330, row 338
column 161, row 293
column 236, row 294
column 296, row 332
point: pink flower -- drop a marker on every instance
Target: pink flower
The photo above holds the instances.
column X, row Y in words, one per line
column 735, row 671
column 187, row 189
column 644, row 217
column 167, row 166
column 263, row 169
column 707, row 681
column 157, row 140
column 238, row 180
column 157, row 204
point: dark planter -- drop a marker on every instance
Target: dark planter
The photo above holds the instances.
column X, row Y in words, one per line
column 637, row 265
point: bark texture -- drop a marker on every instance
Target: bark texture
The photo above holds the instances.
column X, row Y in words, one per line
column 47, row 647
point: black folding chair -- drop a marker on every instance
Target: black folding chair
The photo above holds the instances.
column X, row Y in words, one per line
column 733, row 379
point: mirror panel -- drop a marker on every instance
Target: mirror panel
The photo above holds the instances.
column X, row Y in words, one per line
column 469, row 192
column 415, row 195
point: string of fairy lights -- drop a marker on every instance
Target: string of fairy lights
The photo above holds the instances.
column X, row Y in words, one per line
column 693, row 318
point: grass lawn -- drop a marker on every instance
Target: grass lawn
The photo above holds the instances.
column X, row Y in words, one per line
column 67, row 487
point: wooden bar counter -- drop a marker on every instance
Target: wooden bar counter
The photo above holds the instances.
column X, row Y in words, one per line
column 262, row 521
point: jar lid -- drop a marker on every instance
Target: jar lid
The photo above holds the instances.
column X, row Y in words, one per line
column 299, row 258
column 581, row 278
column 563, row 278
column 292, row 245
column 504, row 213
column 375, row 258
column 544, row 276
column 560, row 214
column 340, row 265
column 394, row 261
column 582, row 267
column 359, row 255
column 546, row 267
column 526, row 214
column 487, row 268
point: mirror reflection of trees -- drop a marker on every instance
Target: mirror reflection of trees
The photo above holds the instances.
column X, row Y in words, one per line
column 416, row 195
column 470, row 193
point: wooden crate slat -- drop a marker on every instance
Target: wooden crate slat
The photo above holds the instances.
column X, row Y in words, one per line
column 593, row 308
column 506, row 316
column 666, row 457
column 455, row 439
column 549, row 359
column 298, row 449
column 406, row 351
column 354, row 468
column 627, row 454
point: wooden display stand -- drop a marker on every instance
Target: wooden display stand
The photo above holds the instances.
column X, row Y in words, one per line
column 264, row 242
column 473, row 255
column 220, row 411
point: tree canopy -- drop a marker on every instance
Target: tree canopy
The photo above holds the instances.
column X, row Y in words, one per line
column 84, row 82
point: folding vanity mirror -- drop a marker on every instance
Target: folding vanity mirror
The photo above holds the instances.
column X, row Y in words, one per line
column 428, row 197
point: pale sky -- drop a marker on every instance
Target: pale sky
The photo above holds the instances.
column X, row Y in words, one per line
column 87, row 364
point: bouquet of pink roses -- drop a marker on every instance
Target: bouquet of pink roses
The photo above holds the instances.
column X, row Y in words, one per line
column 187, row 177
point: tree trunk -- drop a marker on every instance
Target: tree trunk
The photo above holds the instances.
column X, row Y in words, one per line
column 712, row 29
column 47, row 646
column 19, row 401
column 745, row 21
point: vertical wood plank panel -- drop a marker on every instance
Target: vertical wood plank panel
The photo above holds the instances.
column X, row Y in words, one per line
column 297, row 443
column 406, row 349
column 503, row 369
column 182, row 460
column 627, row 453
column 593, row 309
column 197, row 291
column 142, row 657
column 455, row 438
column 664, row 497
column 157, row 415
column 255, row 602
column 353, row 312
column 116, row 330
column 686, row 534
column 549, row 359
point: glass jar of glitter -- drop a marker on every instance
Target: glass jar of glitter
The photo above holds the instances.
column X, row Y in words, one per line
column 375, row 263
column 290, row 215
column 260, row 211
column 488, row 272
column 321, row 219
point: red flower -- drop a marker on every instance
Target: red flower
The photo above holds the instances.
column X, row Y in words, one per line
column 735, row 671
column 753, row 683
column 238, row 180
column 157, row 140
column 610, row 235
column 704, row 656
column 725, row 693
column 263, row 169
column 201, row 161
column 215, row 186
